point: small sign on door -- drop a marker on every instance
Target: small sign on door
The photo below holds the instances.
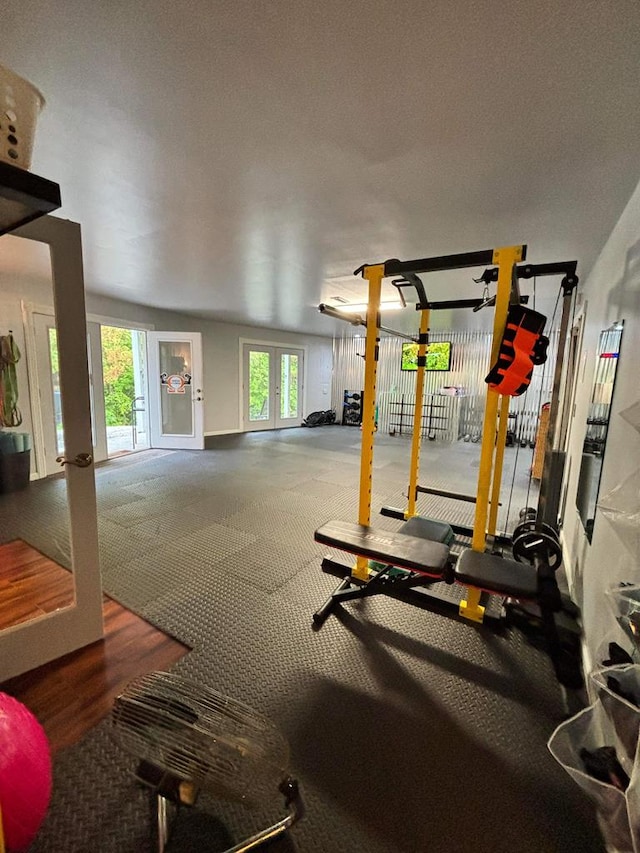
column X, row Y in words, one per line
column 175, row 382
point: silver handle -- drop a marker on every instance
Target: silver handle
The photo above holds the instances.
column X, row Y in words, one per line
column 82, row 460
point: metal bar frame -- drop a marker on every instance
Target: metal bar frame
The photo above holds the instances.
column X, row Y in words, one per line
column 505, row 258
column 494, row 501
column 550, row 441
column 416, row 439
column 373, row 276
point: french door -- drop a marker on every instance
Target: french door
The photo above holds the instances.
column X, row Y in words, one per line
column 57, row 523
column 48, row 381
column 272, row 386
column 176, row 399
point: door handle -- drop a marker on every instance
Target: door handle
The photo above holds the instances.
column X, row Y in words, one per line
column 82, row 460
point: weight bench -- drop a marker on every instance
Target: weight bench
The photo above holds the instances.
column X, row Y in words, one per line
column 424, row 563
column 416, row 554
column 497, row 575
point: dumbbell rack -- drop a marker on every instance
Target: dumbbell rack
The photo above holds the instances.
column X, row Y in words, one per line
column 352, row 403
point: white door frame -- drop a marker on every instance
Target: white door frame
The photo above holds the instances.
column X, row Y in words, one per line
column 30, row 644
column 277, row 347
column 195, row 390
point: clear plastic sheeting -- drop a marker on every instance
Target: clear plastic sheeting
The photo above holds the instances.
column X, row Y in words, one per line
column 610, row 727
column 616, row 649
column 625, row 602
column 621, row 507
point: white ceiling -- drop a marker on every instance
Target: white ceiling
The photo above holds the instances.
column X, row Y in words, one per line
column 238, row 159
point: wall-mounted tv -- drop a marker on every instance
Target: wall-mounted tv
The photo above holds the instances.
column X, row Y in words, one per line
column 438, row 356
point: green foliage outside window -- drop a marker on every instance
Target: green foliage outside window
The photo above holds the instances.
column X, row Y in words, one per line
column 259, row 366
column 258, row 386
column 117, row 371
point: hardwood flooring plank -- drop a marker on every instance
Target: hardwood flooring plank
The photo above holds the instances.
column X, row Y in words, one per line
column 74, row 693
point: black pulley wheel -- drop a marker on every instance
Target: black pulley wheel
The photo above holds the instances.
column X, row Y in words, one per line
column 537, row 543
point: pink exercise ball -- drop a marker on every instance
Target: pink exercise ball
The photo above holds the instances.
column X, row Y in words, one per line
column 25, row 773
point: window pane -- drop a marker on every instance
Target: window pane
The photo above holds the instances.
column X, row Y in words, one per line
column 288, row 386
column 259, row 386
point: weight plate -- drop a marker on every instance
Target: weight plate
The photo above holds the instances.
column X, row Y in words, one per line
column 528, row 526
column 528, row 513
column 537, row 543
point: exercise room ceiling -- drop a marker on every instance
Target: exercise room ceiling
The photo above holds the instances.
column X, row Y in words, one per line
column 238, row 159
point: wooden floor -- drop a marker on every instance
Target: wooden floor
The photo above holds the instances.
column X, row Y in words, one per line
column 30, row 584
column 72, row 694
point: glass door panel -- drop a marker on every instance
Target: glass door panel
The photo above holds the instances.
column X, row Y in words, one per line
column 259, row 382
column 55, row 387
column 175, row 379
column 288, row 389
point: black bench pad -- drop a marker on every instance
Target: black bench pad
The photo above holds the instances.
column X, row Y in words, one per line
column 428, row 528
column 393, row 549
column 496, row 574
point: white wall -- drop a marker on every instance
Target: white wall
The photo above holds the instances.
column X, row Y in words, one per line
column 612, row 292
column 24, row 275
column 221, row 355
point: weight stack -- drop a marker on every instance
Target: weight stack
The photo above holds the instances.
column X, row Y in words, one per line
column 352, row 408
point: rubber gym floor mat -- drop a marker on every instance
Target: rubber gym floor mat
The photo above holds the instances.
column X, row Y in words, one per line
column 408, row 731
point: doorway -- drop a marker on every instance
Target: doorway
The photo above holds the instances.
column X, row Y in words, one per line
column 272, row 386
column 124, row 382
column 176, row 396
column 117, row 362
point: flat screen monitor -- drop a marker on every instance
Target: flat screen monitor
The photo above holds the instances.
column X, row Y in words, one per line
column 438, row 356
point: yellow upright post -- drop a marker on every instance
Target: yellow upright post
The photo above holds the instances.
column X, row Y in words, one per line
column 417, row 414
column 374, row 275
column 505, row 258
column 497, row 468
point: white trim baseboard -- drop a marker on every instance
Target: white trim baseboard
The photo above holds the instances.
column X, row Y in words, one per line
column 222, row 432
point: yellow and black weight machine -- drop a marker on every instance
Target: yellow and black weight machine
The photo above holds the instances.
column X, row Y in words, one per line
column 544, row 521
column 421, row 560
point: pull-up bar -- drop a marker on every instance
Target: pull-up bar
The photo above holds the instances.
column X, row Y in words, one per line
column 439, row 264
column 565, row 268
column 358, row 320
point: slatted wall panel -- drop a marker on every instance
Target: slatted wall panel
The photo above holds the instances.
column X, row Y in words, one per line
column 461, row 416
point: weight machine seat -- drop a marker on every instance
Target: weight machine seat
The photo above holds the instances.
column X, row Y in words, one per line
column 383, row 546
column 495, row 574
column 428, row 528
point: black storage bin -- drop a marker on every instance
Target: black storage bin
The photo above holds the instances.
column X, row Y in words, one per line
column 15, row 469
